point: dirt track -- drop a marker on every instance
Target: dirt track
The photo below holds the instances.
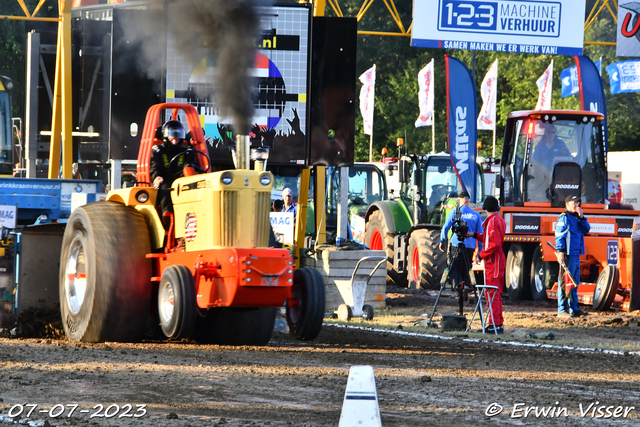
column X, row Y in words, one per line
column 420, row 380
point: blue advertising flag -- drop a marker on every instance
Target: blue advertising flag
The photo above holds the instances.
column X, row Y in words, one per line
column 461, row 123
column 592, row 91
column 569, row 79
column 624, row 76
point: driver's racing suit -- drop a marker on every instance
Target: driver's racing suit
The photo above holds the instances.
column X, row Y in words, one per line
column 161, row 165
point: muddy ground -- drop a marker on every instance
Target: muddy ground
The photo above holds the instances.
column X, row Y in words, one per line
column 423, row 376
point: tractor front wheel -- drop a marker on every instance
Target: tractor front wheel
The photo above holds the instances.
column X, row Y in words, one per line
column 305, row 310
column 517, row 273
column 543, row 275
column 177, row 302
column 378, row 238
column 426, row 262
column 105, row 287
column 606, row 288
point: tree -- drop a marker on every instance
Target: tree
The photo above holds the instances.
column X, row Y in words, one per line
column 12, row 46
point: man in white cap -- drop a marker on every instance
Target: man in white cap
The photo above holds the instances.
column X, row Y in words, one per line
column 287, row 197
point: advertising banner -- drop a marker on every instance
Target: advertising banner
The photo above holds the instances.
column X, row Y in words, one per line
column 425, row 95
column 569, row 79
column 545, row 83
column 461, row 123
column 368, row 79
column 538, row 27
column 624, row 76
column 628, row 33
column 8, row 216
column 488, row 91
column 283, row 224
column 592, row 91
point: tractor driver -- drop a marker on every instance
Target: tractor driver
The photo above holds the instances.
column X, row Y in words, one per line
column 167, row 161
column 549, row 147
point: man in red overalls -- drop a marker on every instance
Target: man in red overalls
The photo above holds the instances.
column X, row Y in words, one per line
column 494, row 260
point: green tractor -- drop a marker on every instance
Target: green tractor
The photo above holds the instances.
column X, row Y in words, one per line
column 408, row 228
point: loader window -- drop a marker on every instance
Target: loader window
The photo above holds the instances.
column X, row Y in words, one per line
column 566, row 141
column 514, row 179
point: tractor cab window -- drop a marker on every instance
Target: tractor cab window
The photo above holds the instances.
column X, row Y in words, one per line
column 367, row 184
column 513, row 181
column 441, row 179
column 565, row 155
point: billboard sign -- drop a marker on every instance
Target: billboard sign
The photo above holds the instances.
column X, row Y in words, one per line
column 628, row 32
column 280, row 75
column 538, row 27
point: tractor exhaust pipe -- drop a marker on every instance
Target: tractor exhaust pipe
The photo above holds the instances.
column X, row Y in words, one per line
column 242, row 154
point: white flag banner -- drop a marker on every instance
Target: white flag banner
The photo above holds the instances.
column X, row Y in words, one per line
column 368, row 79
column 544, row 88
column 489, row 92
column 425, row 96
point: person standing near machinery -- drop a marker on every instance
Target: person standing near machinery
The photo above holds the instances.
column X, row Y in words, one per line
column 571, row 227
column 289, row 206
column 464, row 213
column 494, row 260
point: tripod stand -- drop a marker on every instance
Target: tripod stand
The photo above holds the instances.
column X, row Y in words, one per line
column 457, row 255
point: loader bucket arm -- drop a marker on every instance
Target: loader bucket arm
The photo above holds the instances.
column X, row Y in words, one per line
column 152, row 121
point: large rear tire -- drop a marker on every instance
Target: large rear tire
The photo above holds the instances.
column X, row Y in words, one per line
column 378, row 238
column 606, row 288
column 305, row 310
column 235, row 326
column 543, row 275
column 177, row 302
column 517, row 273
column 425, row 261
column 105, row 287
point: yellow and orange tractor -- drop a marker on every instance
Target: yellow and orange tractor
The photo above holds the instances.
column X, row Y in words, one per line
column 547, row 156
column 210, row 275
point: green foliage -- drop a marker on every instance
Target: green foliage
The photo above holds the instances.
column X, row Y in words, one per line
column 398, row 64
column 12, row 46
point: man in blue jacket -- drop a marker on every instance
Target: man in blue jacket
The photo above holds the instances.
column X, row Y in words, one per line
column 460, row 272
column 570, row 230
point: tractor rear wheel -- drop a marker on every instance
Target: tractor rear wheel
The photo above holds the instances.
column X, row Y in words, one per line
column 235, row 326
column 378, row 238
column 425, row 261
column 177, row 302
column 105, row 287
column 543, row 275
column 606, row 288
column 517, row 273
column 305, row 310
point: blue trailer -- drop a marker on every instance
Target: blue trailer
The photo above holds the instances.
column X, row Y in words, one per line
column 33, row 215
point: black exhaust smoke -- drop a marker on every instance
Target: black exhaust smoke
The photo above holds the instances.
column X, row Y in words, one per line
column 230, row 30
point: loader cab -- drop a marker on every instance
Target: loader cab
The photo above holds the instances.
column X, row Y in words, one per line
column 551, row 154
